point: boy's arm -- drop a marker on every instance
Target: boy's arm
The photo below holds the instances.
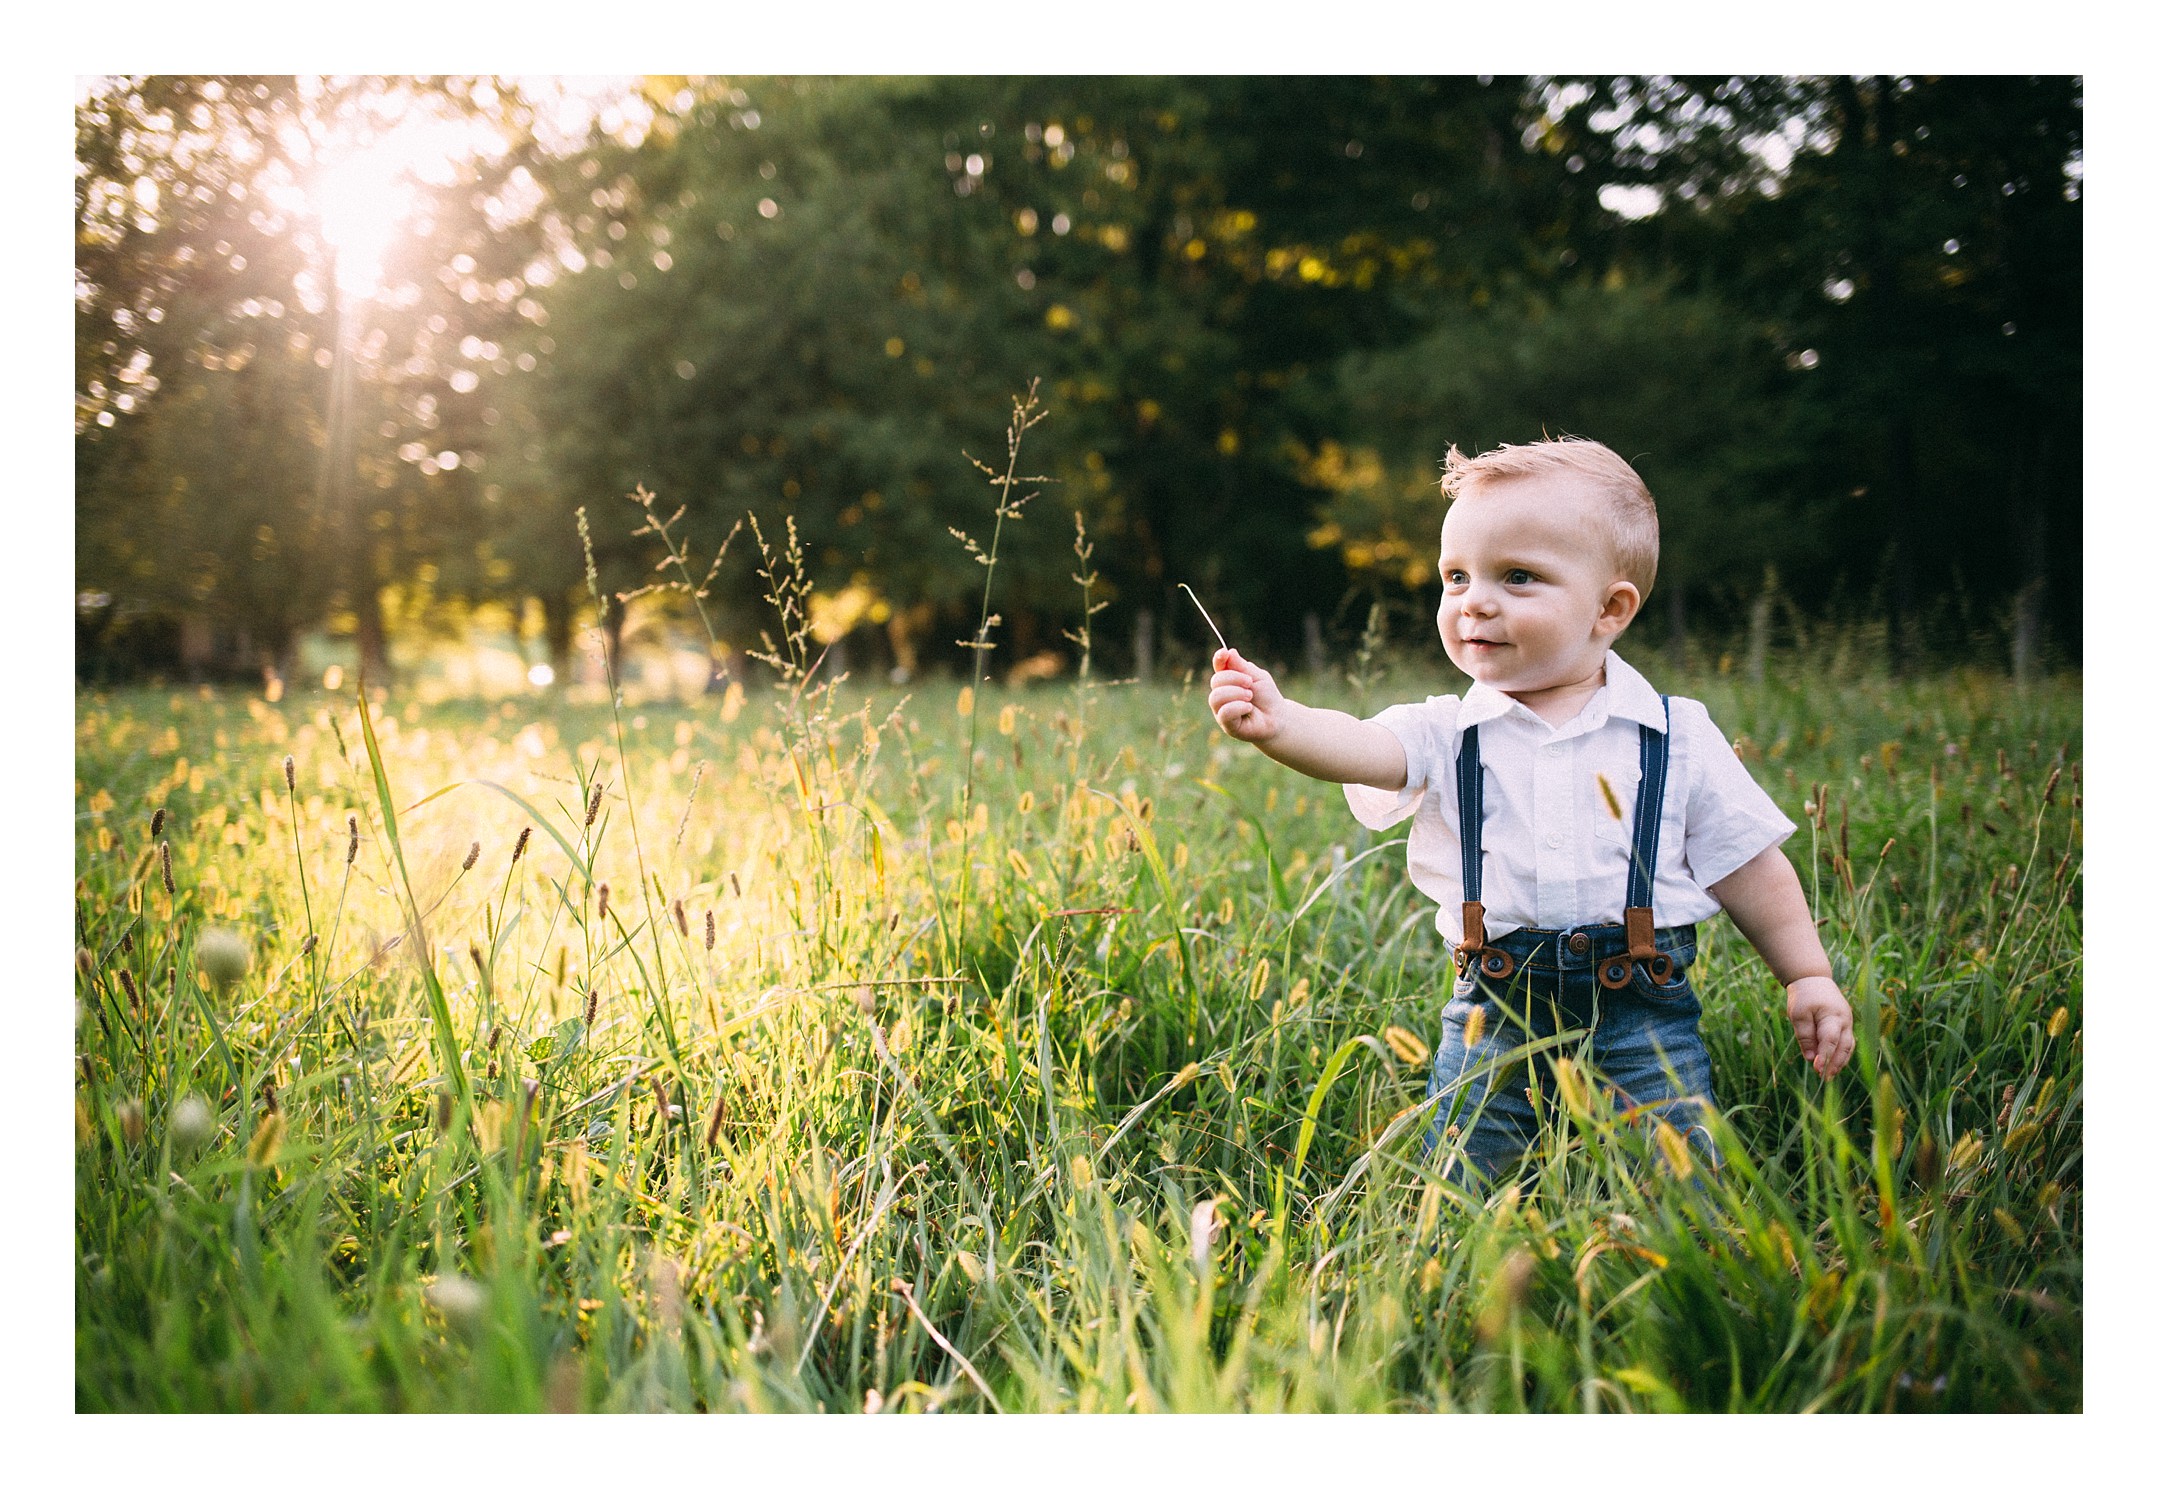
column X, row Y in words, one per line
column 1766, row 902
column 1320, row 742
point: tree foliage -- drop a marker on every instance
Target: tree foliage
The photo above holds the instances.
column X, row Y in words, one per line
column 1836, row 321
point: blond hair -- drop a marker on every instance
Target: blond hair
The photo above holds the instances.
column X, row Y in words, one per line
column 1629, row 511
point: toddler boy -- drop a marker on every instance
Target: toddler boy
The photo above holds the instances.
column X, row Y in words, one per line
column 1572, row 825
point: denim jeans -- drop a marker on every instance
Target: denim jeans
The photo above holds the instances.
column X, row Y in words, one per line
column 1644, row 1041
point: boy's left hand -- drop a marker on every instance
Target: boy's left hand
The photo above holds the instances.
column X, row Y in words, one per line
column 1821, row 1017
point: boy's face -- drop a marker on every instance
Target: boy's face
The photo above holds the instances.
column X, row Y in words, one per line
column 1533, row 595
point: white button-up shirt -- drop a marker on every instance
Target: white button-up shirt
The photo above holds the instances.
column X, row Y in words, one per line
column 1556, row 853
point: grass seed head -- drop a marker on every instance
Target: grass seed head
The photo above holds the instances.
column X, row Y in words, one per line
column 157, row 822
column 291, row 778
column 472, row 856
column 712, row 1123
column 711, row 930
column 127, row 982
column 603, row 899
column 523, row 839
column 131, row 1121
column 681, row 919
column 164, row 864
column 591, row 807
column 85, row 963
column 352, row 839
column 591, row 1005
column 269, row 1137
column 222, row 955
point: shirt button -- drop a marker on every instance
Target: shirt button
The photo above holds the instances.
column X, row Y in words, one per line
column 1578, row 943
column 1551, row 840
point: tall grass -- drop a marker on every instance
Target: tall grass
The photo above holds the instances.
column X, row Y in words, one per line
column 1140, row 1132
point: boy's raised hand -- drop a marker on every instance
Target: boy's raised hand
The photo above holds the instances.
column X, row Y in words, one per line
column 1246, row 702
column 1821, row 1017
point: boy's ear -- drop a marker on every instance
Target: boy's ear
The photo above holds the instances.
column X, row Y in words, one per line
column 1622, row 602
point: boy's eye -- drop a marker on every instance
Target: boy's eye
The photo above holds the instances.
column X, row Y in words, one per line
column 1519, row 576
column 1456, row 576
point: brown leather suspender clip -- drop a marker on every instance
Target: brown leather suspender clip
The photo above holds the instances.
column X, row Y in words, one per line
column 1489, row 960
column 1616, row 971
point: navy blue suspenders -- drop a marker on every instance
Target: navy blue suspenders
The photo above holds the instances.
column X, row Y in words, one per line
column 1612, row 972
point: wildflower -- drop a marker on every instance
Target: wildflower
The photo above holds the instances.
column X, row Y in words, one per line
column 192, row 1123
column 471, row 858
column 223, row 955
column 459, row 1300
column 1206, row 1229
column 518, row 852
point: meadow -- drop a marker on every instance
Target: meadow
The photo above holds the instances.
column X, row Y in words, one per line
column 853, row 1048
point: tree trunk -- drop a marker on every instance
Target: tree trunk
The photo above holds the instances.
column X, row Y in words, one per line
column 373, row 635
column 556, row 615
column 1757, row 629
column 2030, row 608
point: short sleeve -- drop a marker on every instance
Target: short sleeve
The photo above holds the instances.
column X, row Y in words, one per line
column 1421, row 728
column 1729, row 818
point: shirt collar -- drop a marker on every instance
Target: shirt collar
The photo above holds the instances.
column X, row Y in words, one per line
column 1626, row 694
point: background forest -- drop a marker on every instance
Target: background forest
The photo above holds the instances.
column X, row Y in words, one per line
column 1836, row 322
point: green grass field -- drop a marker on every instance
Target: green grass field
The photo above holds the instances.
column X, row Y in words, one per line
column 817, row 1070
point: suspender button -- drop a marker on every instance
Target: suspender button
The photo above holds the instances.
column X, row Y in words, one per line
column 1578, row 943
